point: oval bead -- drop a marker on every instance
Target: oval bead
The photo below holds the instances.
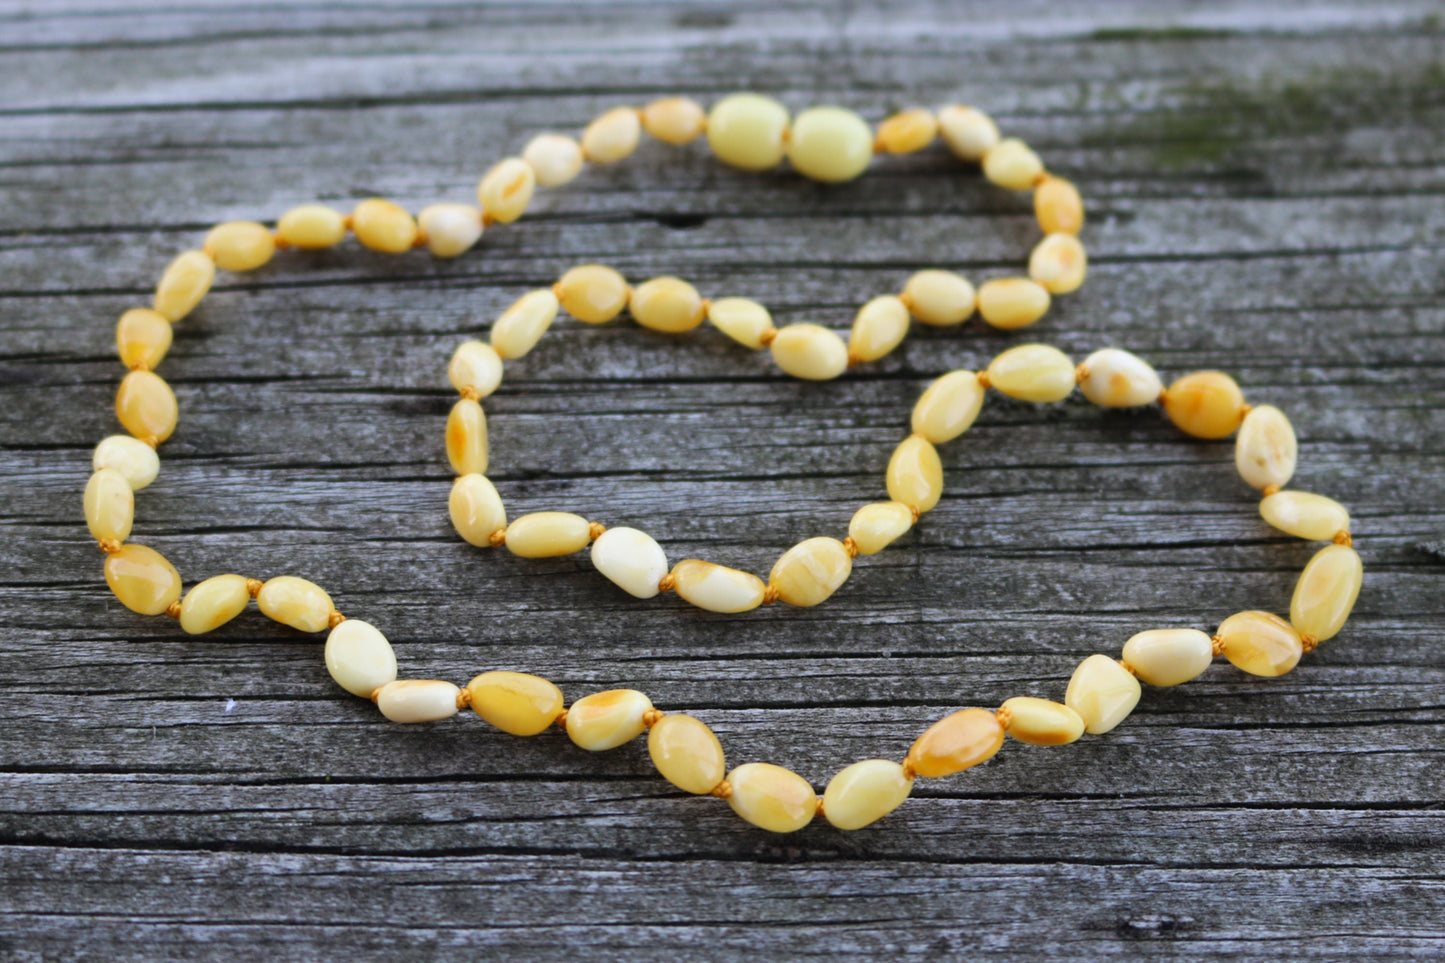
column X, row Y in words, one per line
column 969, row 133
column 548, row 534
column 360, row 659
column 830, row 144
column 109, row 506
column 717, row 588
column 811, row 571
column 142, row 338
column 418, row 700
column 311, row 226
column 1010, row 303
column 939, row 298
column 771, row 797
column 864, row 793
column 606, row 720
column 955, row 743
column 505, row 191
column 1114, row 378
column 748, row 131
column 686, row 753
column 1304, row 515
column 948, row 407
column 132, row 458
column 522, row 325
column 809, row 351
column 383, row 226
column 515, row 702
column 631, row 560
column 475, row 365
column 915, row 474
column 1058, row 206
column 295, row 602
column 593, row 293
column 1033, row 372
column 1102, row 692
column 240, row 245
column 674, row 120
column 1265, row 450
column 1165, row 657
column 466, row 437
column 1326, row 591
column 183, row 284
column 667, row 304
column 476, row 510
column 1058, row 263
column 214, row 602
column 1042, row 722
column 142, row 579
column 613, row 136
column 146, row 406
column 1260, row 643
column 1205, row 404
column 450, row 229
column 874, row 527
column 1011, row 164
column 746, row 322
column 554, row 158
column 878, row 328
column 907, row 131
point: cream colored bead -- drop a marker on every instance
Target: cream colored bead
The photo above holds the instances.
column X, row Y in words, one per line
column 746, row 322
column 939, row 298
column 142, row 338
column 811, row 571
column 466, row 437
column 958, row 741
column 476, row 509
column 1265, row 450
column 554, row 158
column 1058, row 263
column 1304, row 515
column 674, row 120
column 522, row 325
column 311, row 226
column 717, row 588
column 1102, row 692
column 451, row 229
column 383, row 226
column 1058, row 207
column 771, row 797
column 1165, row 657
column 136, row 461
column 142, row 579
column 1012, row 165
column 810, row 351
column 969, row 133
column 506, row 190
column 915, row 474
column 1113, row 378
column 1326, row 591
column 1260, row 643
column 593, row 293
column 109, row 506
column 515, row 702
column 1010, row 303
column 686, row 753
column 184, row 283
column 613, row 136
column 475, row 365
column 418, row 700
column 874, row 527
column 667, row 304
column 295, row 602
column 948, row 407
column 1033, row 372
column 907, row 131
column 1041, row 722
column 146, row 406
column 879, row 327
column 548, row 534
column 606, row 720
column 631, row 560
column 212, row 603
column 830, row 144
column 240, row 245
column 864, row 793
column 748, row 131
column 360, row 659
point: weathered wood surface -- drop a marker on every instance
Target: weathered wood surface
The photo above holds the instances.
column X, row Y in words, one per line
column 1267, row 196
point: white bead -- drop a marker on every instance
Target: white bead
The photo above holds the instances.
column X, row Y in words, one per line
column 1117, row 379
column 717, row 588
column 136, row 461
column 612, row 136
column 506, row 190
column 522, row 325
column 476, row 365
column 360, row 658
column 631, row 559
column 969, row 133
column 451, row 229
column 1265, row 449
column 1102, row 692
column 476, row 509
column 1165, row 657
column 418, row 700
column 554, row 158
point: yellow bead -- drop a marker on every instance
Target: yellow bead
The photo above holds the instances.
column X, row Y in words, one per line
column 771, row 797
column 666, row 304
column 142, row 338
column 522, row 325
column 1033, row 372
column 1058, row 207
column 295, row 602
column 955, row 743
column 475, row 365
column 1326, row 591
column 746, row 322
column 593, row 293
column 1260, row 643
column 948, row 407
column 1102, row 692
column 1166, row 657
column 969, row 133
column 810, row 351
column 1113, row 378
column 359, row 658
column 451, row 229
column 418, row 700
column 811, row 571
column 506, row 190
column 717, row 588
column 1058, row 263
column 311, row 226
column 907, row 131
column 476, row 510
column 830, row 144
column 1010, row 303
column 1305, row 515
column 613, row 136
column 212, row 603
column 467, row 438
column 1041, row 722
column 142, row 579
column 631, row 560
column 874, row 527
column 1205, row 404
column 146, row 406
column 1265, row 450
column 748, row 131
column 1012, row 165
column 109, row 506
column 514, row 702
column 939, row 298
column 686, row 753
column 915, row 474
column 554, row 158
column 136, row 461
column 184, row 283
column 864, row 793
column 878, row 328
column 240, row 245
column 674, row 120
column 548, row 534
column 383, row 226
column 606, row 720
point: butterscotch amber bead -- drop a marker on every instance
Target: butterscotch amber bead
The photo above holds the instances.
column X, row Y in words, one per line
column 1033, row 372
column 667, row 304
column 771, row 797
column 142, row 338
column 1205, row 404
column 810, row 351
column 907, row 131
column 674, row 120
column 476, row 509
column 146, row 406
column 874, row 527
column 1012, row 164
column 746, row 322
column 1102, row 692
column 613, row 136
column 1058, row 207
column 1041, row 722
column 939, row 298
column 506, row 190
column 142, row 579
column 593, row 293
column 522, row 325
column 109, row 506
column 212, row 603
column 1305, row 515
column 383, row 226
column 475, row 366
column 1260, row 643
column 295, row 602
column 608, row 719
column 548, row 534
column 554, row 158
column 1059, row 263
column 1010, row 303
column 956, row 742
column 515, row 702
column 240, row 245
column 686, row 753
column 1326, row 591
column 878, row 328
column 311, row 226
column 184, row 283
column 864, row 793
column 466, row 437
column 1165, row 657
column 811, row 571
column 717, row 588
column 948, row 407
column 915, row 474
